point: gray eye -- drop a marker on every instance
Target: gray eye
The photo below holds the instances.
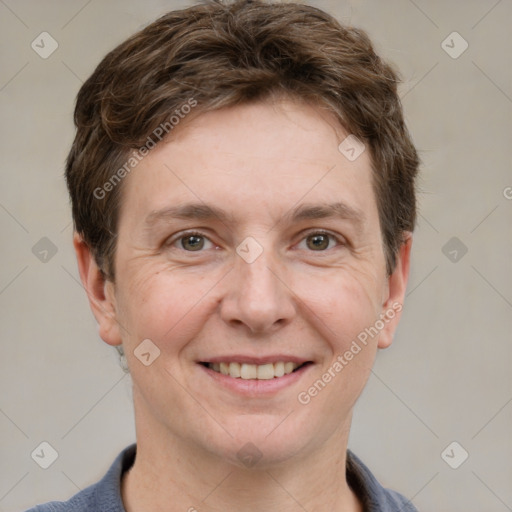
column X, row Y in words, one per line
column 192, row 242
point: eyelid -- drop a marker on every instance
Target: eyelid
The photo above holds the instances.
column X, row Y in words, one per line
column 183, row 234
column 303, row 234
column 319, row 231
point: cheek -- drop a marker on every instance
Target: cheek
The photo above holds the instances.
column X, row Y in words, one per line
column 163, row 306
column 341, row 312
column 344, row 303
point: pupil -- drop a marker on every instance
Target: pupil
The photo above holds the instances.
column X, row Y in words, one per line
column 320, row 241
column 194, row 242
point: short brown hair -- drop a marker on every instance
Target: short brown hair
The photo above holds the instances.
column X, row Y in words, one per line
column 223, row 54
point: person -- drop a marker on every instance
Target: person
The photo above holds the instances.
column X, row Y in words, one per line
column 243, row 194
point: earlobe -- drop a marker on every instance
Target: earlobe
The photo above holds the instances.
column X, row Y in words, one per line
column 397, row 285
column 100, row 292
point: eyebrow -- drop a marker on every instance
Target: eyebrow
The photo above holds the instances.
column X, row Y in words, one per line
column 203, row 211
column 192, row 211
column 338, row 210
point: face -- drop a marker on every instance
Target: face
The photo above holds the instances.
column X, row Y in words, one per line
column 250, row 245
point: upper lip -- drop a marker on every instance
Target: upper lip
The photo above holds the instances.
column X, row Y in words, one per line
column 258, row 360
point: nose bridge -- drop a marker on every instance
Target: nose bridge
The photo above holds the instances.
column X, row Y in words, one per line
column 258, row 297
column 258, row 277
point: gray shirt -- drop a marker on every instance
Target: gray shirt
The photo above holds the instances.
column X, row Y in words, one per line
column 105, row 496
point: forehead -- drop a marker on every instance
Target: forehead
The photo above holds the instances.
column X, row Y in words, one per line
column 259, row 158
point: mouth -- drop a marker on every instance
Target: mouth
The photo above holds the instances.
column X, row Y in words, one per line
column 249, row 371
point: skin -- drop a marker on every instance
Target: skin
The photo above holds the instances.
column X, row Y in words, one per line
column 258, row 162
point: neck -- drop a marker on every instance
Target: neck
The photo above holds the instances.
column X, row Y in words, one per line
column 171, row 475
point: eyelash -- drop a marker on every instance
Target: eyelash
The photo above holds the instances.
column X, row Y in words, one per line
column 186, row 234
column 337, row 239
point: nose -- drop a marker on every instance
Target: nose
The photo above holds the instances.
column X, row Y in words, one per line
column 258, row 296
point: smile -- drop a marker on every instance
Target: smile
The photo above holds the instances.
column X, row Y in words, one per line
column 247, row 371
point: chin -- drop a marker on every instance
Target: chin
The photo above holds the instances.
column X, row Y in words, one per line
column 263, row 442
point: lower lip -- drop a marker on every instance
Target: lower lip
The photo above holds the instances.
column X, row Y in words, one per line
column 254, row 387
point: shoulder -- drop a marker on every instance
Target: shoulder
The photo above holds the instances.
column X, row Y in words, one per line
column 103, row 496
column 84, row 500
column 374, row 497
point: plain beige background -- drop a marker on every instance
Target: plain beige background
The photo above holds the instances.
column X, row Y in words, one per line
column 446, row 378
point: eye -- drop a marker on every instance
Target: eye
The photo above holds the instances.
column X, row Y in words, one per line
column 192, row 241
column 319, row 241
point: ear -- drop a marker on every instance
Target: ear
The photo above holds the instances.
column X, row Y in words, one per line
column 393, row 301
column 100, row 292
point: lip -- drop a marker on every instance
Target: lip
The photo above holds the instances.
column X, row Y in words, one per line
column 259, row 360
column 254, row 387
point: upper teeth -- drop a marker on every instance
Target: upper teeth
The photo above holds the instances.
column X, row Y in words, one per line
column 254, row 371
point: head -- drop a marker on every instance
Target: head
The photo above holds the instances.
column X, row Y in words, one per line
column 242, row 109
